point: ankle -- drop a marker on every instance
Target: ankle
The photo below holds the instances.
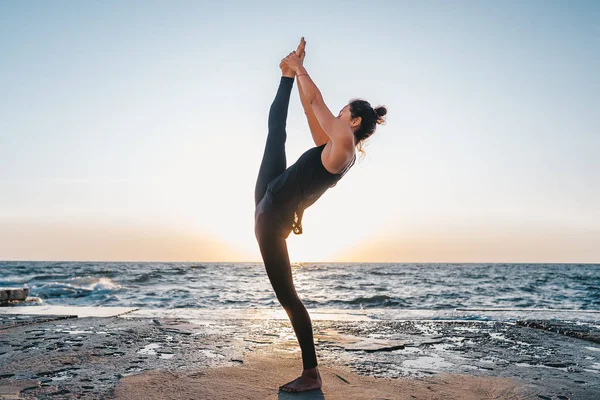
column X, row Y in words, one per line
column 311, row 372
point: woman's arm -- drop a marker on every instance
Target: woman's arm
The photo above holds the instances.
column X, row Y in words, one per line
column 335, row 129
column 318, row 134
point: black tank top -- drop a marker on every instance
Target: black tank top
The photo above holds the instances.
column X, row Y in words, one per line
column 302, row 184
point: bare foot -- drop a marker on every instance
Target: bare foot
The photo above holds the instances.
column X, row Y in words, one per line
column 309, row 380
column 285, row 70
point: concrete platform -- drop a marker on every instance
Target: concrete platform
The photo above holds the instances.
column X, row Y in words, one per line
column 129, row 357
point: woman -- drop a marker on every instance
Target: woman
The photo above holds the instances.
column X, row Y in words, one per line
column 282, row 194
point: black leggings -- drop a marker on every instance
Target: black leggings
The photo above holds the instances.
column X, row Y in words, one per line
column 272, row 245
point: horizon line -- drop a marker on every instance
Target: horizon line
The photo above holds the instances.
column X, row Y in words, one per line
column 316, row 262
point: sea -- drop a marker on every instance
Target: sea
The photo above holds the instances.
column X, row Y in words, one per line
column 402, row 287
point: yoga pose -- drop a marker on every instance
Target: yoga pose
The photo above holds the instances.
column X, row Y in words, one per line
column 282, row 194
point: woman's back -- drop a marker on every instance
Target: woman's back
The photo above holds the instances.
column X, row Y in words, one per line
column 302, row 184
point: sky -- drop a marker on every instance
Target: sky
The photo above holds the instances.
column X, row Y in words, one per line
column 134, row 130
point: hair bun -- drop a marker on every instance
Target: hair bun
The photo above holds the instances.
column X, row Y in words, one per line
column 381, row 111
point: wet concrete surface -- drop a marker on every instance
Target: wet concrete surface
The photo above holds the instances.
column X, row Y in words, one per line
column 11, row 321
column 84, row 358
column 589, row 331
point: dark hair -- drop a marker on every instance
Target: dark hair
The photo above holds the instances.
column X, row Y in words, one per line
column 370, row 117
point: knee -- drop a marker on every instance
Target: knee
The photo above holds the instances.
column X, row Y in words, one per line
column 289, row 301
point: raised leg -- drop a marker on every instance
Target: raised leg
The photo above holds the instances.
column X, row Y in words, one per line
column 274, row 162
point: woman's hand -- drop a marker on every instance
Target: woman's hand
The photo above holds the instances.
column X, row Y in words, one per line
column 285, row 69
column 293, row 61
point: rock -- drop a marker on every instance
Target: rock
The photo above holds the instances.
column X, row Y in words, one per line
column 557, row 364
column 587, row 332
column 372, row 345
column 13, row 294
column 423, row 342
column 33, row 299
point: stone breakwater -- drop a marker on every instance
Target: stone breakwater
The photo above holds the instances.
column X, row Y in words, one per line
column 13, row 295
column 62, row 356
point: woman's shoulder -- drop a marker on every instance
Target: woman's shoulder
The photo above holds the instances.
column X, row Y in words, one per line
column 337, row 155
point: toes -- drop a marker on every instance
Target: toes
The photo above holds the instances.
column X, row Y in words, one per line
column 291, row 386
column 285, row 387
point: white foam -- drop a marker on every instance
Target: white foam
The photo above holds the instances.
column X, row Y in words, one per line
column 593, row 348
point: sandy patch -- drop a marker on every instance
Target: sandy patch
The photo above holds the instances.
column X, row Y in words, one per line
column 261, row 374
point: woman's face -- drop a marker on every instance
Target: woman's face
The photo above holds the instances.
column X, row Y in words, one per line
column 345, row 116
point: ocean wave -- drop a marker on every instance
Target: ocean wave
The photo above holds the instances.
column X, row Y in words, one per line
column 92, row 283
column 75, row 287
column 48, row 277
column 373, row 301
column 146, row 277
column 387, row 273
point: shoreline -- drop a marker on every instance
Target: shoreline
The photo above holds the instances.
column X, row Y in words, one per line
column 119, row 356
column 322, row 313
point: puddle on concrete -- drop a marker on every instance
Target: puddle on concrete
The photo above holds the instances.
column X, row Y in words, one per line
column 428, row 362
column 210, row 354
column 62, row 376
column 72, row 332
column 132, row 371
column 149, row 349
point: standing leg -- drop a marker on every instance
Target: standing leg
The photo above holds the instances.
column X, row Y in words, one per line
column 274, row 161
column 277, row 263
